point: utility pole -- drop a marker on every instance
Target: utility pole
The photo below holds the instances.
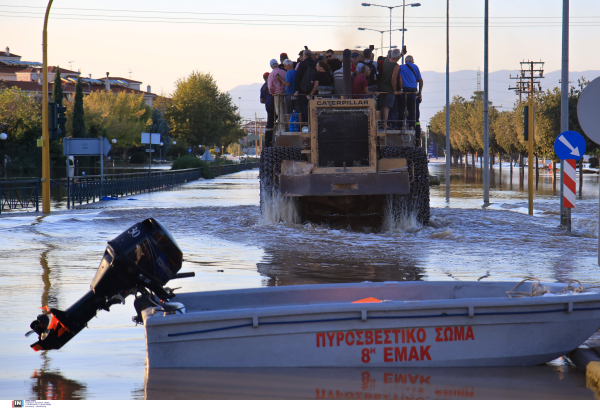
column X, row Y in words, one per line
column 565, row 213
column 531, row 73
column 486, row 125
column 447, row 101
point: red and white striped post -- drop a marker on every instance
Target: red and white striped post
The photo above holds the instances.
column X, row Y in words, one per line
column 569, row 184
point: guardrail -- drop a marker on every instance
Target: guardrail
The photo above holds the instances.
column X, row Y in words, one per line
column 232, row 168
column 83, row 189
column 19, row 194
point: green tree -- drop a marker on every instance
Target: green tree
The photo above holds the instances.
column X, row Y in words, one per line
column 123, row 116
column 160, row 125
column 57, row 97
column 78, row 112
column 22, row 116
column 199, row 114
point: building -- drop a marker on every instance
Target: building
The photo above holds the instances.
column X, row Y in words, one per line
column 27, row 76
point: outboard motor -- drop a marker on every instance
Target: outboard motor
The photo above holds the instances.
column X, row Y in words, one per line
column 138, row 262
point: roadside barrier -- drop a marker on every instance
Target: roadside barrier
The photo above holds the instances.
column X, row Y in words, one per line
column 19, row 194
column 83, row 189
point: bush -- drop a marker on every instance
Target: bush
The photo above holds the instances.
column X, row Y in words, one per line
column 593, row 162
column 138, row 158
column 192, row 162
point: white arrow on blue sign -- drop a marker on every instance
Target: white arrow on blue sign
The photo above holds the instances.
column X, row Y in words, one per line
column 569, row 145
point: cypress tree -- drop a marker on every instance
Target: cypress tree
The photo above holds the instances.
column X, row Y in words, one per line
column 57, row 97
column 78, row 123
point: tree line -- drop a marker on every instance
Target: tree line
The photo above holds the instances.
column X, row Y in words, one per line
column 197, row 113
column 506, row 138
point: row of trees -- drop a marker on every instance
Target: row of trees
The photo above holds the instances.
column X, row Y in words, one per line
column 506, row 127
column 196, row 114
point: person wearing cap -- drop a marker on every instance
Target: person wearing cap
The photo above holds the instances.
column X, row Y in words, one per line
column 277, row 89
column 282, row 57
column 355, row 61
column 267, row 99
column 291, row 102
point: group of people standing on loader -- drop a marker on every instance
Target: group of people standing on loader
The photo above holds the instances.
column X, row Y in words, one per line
column 290, row 85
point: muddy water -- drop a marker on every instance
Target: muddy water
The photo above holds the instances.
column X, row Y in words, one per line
column 52, row 259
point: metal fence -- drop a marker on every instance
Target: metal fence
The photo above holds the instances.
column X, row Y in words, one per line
column 85, row 189
column 232, row 168
column 19, row 194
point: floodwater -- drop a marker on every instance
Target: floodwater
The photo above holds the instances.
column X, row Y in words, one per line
column 52, row 259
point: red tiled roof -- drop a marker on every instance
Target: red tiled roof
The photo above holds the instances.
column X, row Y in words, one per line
column 69, row 88
column 62, row 70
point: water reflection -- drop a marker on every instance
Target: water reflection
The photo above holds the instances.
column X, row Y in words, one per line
column 50, row 384
column 297, row 268
column 541, row 382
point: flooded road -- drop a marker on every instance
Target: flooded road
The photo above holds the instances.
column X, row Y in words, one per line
column 52, row 259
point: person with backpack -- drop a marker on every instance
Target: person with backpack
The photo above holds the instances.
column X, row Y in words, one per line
column 305, row 77
column 411, row 75
column 368, row 54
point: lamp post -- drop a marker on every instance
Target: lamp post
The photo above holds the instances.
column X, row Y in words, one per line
column 160, row 150
column 174, row 143
column 114, row 142
column 382, row 31
column 360, row 47
column 3, row 137
column 403, row 5
column 45, row 130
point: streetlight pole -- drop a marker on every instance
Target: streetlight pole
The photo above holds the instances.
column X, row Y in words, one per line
column 45, row 132
column 161, row 149
column 114, row 142
column 447, row 101
column 403, row 5
column 380, row 31
column 3, row 137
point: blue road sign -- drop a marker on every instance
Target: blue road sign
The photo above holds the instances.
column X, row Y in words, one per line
column 189, row 150
column 569, row 145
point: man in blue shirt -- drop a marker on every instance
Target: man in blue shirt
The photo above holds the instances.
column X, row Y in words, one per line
column 411, row 76
column 291, row 102
column 268, row 100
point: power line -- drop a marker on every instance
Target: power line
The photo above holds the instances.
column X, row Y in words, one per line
column 281, row 15
column 323, row 24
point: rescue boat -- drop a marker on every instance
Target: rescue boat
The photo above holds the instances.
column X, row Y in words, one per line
column 386, row 324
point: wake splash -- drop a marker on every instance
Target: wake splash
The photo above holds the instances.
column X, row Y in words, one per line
column 276, row 209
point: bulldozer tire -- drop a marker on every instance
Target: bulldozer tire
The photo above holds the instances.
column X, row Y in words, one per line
column 418, row 198
column 270, row 168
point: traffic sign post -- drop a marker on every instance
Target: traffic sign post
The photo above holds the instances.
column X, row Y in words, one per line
column 570, row 147
column 589, row 120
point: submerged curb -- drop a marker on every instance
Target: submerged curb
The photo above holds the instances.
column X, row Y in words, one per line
column 588, row 360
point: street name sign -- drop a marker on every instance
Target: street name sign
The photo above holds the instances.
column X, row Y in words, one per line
column 569, row 145
column 85, row 146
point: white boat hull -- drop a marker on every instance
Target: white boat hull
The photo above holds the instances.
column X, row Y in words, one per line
column 318, row 326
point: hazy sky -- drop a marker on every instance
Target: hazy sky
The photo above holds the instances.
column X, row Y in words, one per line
column 234, row 40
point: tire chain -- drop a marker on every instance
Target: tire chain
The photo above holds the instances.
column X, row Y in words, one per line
column 419, row 188
column 270, row 167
